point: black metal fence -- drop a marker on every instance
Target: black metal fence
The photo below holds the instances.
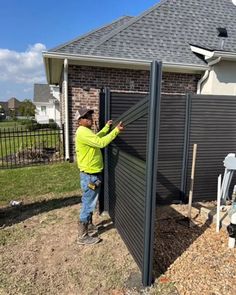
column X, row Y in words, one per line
column 20, row 147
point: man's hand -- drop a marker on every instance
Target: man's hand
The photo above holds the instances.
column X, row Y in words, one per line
column 120, row 126
column 109, row 122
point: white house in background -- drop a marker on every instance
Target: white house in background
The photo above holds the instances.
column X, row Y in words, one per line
column 46, row 100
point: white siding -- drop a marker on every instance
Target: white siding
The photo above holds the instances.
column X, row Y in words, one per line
column 221, row 80
column 51, row 112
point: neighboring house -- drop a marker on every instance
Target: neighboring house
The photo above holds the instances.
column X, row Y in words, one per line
column 195, row 40
column 46, row 100
column 11, row 106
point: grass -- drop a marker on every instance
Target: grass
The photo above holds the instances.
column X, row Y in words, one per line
column 28, row 183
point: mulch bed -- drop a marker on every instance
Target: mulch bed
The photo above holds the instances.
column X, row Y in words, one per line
column 196, row 259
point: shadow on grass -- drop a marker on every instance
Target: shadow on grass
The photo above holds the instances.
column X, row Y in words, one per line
column 13, row 215
column 172, row 237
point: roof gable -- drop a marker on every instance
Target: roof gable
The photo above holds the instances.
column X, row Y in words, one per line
column 42, row 93
column 166, row 31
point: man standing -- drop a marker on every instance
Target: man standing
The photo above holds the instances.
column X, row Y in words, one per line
column 90, row 163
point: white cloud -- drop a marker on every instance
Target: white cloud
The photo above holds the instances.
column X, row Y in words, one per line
column 22, row 67
column 27, row 90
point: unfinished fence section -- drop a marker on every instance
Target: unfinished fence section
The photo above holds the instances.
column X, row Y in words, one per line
column 130, row 172
column 20, row 147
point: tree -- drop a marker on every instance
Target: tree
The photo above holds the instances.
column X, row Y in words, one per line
column 27, row 108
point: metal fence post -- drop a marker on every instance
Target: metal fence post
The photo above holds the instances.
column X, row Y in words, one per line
column 107, row 117
column 186, row 146
column 151, row 169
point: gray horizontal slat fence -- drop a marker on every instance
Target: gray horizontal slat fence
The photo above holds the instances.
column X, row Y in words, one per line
column 171, row 140
column 127, row 179
column 130, row 172
column 120, row 102
column 171, row 146
column 212, row 127
column 113, row 105
column 126, row 202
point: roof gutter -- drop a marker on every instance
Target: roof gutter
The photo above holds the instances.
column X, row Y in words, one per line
column 213, row 54
column 122, row 61
column 225, row 55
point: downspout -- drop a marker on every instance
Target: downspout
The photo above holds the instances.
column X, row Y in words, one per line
column 206, row 74
column 67, row 153
column 204, row 77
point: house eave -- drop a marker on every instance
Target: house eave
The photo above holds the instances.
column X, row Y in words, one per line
column 225, row 55
column 208, row 54
column 213, row 54
column 115, row 62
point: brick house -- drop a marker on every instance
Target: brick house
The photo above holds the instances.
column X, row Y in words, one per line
column 11, row 106
column 195, row 39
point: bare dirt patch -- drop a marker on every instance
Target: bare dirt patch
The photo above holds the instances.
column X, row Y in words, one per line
column 40, row 255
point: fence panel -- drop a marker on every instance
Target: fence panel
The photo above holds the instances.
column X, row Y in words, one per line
column 20, row 147
column 171, row 148
column 131, row 163
column 212, row 127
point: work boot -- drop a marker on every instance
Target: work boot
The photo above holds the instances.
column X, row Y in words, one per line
column 84, row 238
column 82, row 229
column 92, row 229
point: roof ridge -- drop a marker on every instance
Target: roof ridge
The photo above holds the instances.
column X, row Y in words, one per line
column 88, row 33
column 129, row 23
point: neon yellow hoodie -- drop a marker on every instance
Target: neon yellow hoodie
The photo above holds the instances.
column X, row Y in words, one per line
column 88, row 145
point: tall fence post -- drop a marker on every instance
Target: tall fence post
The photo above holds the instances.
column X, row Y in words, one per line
column 151, row 169
column 107, row 117
column 186, row 147
column 104, row 116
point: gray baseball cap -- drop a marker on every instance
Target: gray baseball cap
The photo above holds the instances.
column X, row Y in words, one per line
column 82, row 112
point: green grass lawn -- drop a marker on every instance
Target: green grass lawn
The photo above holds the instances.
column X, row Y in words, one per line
column 28, row 183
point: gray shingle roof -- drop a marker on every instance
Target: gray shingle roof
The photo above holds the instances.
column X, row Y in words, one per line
column 89, row 40
column 165, row 32
column 42, row 93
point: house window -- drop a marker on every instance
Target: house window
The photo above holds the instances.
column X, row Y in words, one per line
column 43, row 109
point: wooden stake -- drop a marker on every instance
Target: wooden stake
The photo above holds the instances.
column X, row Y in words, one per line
column 190, row 199
column 218, row 203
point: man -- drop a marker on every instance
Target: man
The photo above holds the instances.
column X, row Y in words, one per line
column 90, row 163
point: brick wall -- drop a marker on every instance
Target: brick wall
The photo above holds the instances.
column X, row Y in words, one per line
column 85, row 84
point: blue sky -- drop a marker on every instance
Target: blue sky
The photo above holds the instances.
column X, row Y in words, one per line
column 28, row 27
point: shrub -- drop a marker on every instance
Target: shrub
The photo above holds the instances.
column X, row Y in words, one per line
column 37, row 126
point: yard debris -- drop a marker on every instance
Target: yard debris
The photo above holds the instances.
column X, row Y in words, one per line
column 16, row 203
